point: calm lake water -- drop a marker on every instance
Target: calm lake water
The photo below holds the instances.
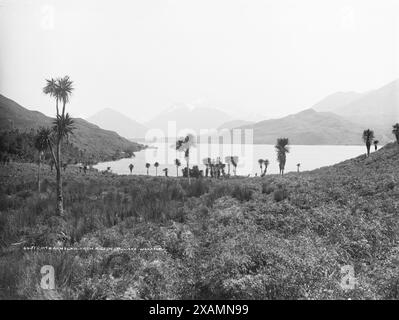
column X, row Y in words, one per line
column 310, row 157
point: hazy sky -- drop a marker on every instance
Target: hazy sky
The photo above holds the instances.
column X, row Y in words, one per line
column 245, row 56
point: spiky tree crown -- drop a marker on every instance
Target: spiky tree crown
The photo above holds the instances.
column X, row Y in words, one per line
column 42, row 139
column 368, row 136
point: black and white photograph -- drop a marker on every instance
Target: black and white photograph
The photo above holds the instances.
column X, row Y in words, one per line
column 199, row 150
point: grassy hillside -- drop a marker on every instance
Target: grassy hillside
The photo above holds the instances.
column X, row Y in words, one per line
column 257, row 238
column 102, row 144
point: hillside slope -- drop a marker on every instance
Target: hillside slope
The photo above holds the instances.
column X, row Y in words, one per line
column 336, row 100
column 308, row 127
column 379, row 108
column 110, row 119
column 235, row 124
column 100, row 143
column 376, row 109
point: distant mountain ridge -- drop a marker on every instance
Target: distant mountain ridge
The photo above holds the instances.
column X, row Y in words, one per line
column 338, row 119
column 103, row 144
column 308, row 127
column 331, row 102
column 235, row 124
column 377, row 109
column 126, row 127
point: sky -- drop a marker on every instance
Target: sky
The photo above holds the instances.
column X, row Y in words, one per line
column 257, row 58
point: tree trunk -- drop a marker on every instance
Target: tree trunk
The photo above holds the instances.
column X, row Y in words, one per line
column 63, row 108
column 60, row 201
column 177, row 171
column 38, row 175
column 368, row 149
column 188, row 172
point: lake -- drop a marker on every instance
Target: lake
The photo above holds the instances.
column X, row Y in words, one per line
column 310, row 157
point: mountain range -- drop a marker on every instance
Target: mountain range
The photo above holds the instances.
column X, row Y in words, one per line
column 308, row 127
column 377, row 109
column 338, row 119
column 333, row 101
column 102, row 144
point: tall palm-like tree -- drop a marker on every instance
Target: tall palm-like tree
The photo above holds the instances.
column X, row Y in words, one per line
column 218, row 167
column 147, row 165
column 65, row 88
column 395, row 131
column 41, row 145
column 51, row 88
column 208, row 164
column 368, row 136
column 166, row 171
column 375, row 144
column 266, row 164
column 184, row 145
column 156, row 165
column 60, row 89
column 177, row 164
column 297, row 167
column 261, row 161
column 228, row 161
column 282, row 149
column 131, row 166
column 234, row 163
column 212, row 167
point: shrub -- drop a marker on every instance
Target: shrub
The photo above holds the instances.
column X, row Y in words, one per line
column 242, row 193
column 280, row 194
column 218, row 191
column 267, row 188
column 197, row 188
column 391, row 185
